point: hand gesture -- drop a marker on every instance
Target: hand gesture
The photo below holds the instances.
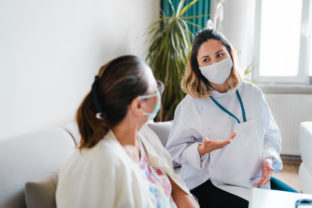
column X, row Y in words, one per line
column 267, row 169
column 209, row 145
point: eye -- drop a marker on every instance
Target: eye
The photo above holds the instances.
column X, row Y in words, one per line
column 206, row 60
column 219, row 55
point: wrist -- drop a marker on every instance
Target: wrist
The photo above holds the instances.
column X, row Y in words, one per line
column 269, row 161
column 200, row 149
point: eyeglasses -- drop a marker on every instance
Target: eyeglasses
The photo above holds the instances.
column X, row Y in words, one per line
column 160, row 86
column 160, row 90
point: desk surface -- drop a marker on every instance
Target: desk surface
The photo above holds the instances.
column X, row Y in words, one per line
column 263, row 198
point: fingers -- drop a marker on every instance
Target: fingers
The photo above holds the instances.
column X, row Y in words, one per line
column 266, row 176
column 264, row 180
column 231, row 137
column 261, row 182
column 258, row 183
column 228, row 140
column 223, row 143
column 209, row 145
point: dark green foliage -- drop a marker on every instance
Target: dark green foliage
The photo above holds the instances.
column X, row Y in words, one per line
column 169, row 49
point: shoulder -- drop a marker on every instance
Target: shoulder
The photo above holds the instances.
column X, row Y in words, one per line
column 103, row 157
column 149, row 135
column 155, row 149
column 150, row 138
column 103, row 169
column 190, row 104
column 249, row 88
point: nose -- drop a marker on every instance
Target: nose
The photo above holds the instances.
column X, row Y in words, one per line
column 216, row 60
column 213, row 61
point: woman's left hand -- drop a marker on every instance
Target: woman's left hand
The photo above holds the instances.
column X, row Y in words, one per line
column 267, row 169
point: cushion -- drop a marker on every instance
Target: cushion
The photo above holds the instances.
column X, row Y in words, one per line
column 305, row 143
column 162, row 130
column 41, row 193
column 305, row 178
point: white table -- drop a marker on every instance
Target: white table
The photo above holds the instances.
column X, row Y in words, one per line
column 263, row 198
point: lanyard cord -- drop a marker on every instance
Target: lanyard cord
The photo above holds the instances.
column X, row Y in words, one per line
column 242, row 105
column 228, row 112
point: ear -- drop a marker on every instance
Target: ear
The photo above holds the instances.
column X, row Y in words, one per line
column 136, row 106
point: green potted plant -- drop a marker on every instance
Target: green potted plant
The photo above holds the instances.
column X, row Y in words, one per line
column 168, row 52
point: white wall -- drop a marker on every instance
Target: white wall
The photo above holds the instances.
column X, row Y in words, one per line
column 238, row 27
column 50, row 52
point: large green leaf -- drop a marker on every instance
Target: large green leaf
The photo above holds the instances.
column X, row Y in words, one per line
column 168, row 53
column 186, row 7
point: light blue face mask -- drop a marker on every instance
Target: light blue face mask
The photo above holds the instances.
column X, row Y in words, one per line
column 153, row 114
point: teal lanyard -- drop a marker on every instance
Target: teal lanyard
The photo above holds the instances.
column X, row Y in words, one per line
column 228, row 112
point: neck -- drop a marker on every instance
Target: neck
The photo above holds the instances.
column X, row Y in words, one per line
column 126, row 133
column 220, row 87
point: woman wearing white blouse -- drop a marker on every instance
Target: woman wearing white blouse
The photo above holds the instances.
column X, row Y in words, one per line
column 223, row 133
column 120, row 161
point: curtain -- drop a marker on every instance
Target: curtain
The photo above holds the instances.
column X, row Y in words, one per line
column 201, row 7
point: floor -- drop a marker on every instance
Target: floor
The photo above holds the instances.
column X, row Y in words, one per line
column 289, row 175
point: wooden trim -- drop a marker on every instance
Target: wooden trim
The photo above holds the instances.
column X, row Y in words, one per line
column 291, row 159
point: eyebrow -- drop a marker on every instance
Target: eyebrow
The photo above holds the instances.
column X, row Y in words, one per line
column 204, row 57
column 220, row 51
column 215, row 53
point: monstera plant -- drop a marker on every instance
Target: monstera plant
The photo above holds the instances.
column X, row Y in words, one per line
column 168, row 52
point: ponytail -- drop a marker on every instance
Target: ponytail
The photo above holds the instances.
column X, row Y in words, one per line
column 91, row 128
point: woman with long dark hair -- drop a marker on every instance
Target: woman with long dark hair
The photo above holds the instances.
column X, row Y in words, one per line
column 120, row 161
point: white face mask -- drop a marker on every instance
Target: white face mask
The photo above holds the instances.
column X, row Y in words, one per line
column 153, row 114
column 218, row 72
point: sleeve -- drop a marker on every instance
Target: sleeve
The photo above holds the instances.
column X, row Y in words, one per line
column 272, row 136
column 183, row 140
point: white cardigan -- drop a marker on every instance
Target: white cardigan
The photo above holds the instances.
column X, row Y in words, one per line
column 105, row 176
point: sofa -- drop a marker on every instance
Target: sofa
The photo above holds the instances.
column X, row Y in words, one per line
column 305, row 144
column 30, row 163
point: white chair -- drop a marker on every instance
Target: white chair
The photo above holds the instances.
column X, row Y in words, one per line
column 305, row 169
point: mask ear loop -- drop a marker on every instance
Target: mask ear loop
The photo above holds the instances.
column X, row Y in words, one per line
column 96, row 99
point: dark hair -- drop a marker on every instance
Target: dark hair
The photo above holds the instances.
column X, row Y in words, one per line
column 193, row 81
column 118, row 83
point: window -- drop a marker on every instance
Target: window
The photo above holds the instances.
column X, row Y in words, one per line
column 310, row 59
column 284, row 39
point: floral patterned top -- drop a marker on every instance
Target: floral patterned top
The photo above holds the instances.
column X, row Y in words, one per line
column 159, row 184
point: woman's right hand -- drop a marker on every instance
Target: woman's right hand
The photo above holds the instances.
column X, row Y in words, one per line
column 209, row 145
